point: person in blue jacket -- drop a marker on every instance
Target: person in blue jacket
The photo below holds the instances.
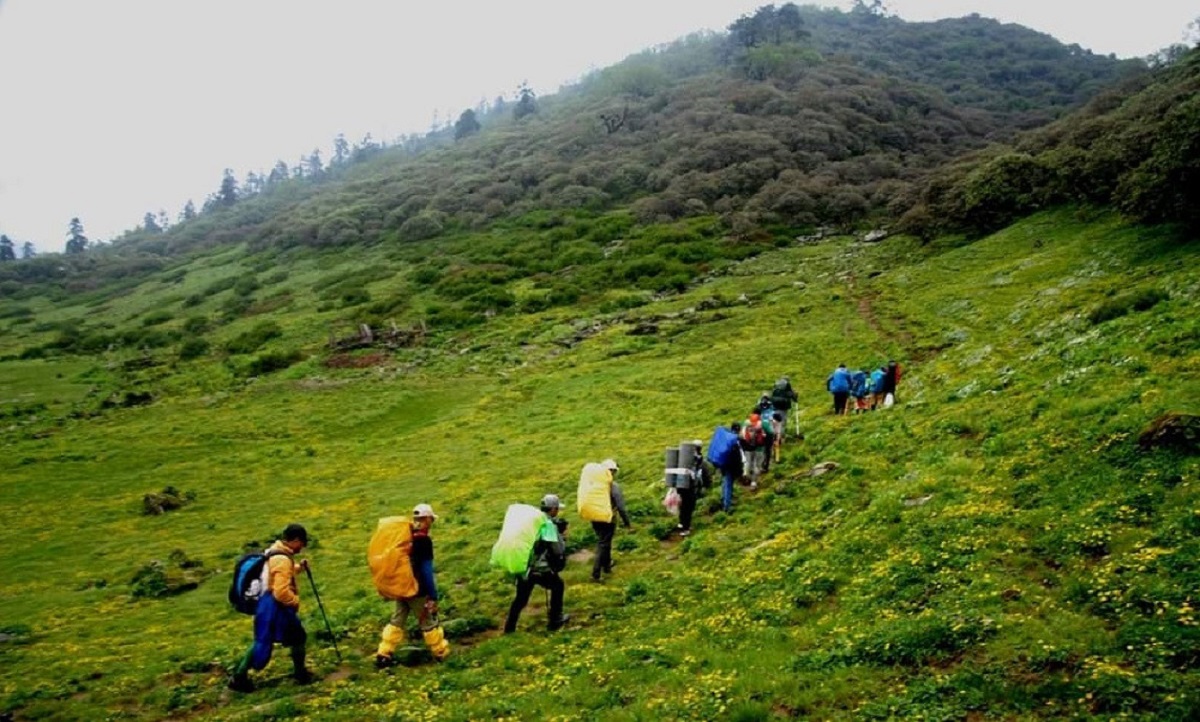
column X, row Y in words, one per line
column 838, row 384
column 877, row 387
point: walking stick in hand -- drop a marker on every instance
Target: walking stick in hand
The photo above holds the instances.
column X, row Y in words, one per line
column 323, row 615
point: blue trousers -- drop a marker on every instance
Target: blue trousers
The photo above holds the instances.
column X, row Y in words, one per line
column 726, row 490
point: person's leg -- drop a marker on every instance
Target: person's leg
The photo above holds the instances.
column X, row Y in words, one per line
column 297, row 640
column 726, row 490
column 431, row 630
column 393, row 633
column 554, row 583
column 604, row 537
column 524, row 587
column 687, row 506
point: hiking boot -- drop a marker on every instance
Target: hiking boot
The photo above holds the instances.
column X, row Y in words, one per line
column 304, row 676
column 684, row 532
column 383, row 661
column 562, row 621
column 240, row 683
column 610, row 568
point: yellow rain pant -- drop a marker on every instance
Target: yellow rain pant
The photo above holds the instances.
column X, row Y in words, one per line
column 435, row 639
column 391, row 638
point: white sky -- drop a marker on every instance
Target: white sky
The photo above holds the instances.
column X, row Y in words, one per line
column 112, row 108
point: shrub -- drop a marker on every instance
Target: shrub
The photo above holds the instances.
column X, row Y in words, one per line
column 421, row 226
column 271, row 362
column 193, row 348
column 1142, row 300
column 252, row 340
column 156, row 317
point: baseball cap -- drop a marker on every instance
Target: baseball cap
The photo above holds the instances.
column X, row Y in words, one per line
column 422, row 510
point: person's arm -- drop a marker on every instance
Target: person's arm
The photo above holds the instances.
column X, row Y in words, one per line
column 618, row 502
column 422, row 563
column 282, row 571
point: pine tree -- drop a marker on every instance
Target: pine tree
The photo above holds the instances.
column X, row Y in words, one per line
column 6, row 249
column 77, row 242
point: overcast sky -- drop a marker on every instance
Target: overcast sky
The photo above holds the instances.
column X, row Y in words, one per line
column 112, row 108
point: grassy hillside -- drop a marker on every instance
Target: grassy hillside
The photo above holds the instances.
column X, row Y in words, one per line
column 997, row 545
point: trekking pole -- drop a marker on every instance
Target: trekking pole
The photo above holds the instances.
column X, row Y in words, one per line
column 323, row 615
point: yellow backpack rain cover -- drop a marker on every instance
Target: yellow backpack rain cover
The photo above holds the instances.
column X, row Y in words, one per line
column 388, row 556
column 595, row 493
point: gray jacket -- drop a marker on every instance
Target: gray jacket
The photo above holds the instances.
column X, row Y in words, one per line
column 618, row 502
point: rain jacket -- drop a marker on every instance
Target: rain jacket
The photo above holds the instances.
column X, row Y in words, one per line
column 281, row 575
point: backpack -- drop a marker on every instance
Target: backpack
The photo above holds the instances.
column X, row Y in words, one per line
column 723, row 445
column 389, row 556
column 595, row 493
column 513, row 551
column 249, row 581
column 754, row 435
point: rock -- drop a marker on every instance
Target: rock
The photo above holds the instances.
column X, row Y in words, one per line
column 1174, row 431
column 918, row 501
column 874, row 236
column 823, row 468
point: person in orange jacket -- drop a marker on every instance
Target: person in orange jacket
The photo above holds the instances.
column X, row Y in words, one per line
column 277, row 616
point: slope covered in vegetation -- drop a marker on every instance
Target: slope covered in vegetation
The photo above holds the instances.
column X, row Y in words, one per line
column 1015, row 539
column 999, row 542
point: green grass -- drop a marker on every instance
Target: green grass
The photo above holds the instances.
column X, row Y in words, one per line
column 1050, row 574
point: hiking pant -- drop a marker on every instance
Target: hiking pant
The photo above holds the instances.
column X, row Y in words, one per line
column 525, row 585
column 755, row 458
column 431, row 629
column 726, row 490
column 604, row 537
column 687, row 506
column 273, row 623
column 839, row 401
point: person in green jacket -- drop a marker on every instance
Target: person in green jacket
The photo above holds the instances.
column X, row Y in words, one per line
column 548, row 559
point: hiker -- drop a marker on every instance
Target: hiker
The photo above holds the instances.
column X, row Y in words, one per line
column 276, row 618
column 755, row 447
column 891, row 377
column 702, row 470
column 548, row 559
column 782, row 398
column 725, row 454
column 424, row 603
column 877, row 387
column 859, row 381
column 690, row 487
column 605, row 529
column 765, row 408
column 838, row 384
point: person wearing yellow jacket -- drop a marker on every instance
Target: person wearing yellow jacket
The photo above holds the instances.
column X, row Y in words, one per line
column 424, row 604
column 276, row 619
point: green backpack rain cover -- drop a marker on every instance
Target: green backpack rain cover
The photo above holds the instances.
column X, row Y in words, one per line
column 513, row 550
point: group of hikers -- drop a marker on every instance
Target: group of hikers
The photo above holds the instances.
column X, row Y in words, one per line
column 400, row 557
column 532, row 544
column 858, row 390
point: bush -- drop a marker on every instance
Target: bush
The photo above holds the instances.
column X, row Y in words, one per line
column 193, row 348
column 156, row 317
column 252, row 340
column 1142, row 300
column 421, row 227
column 271, row 362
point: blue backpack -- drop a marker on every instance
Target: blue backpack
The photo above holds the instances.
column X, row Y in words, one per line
column 249, row 582
column 723, row 445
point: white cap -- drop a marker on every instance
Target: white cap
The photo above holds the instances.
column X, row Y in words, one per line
column 423, row 510
column 698, row 442
column 610, row 465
